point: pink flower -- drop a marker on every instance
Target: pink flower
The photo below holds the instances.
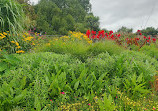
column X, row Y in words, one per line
column 154, row 108
column 62, row 92
column 51, row 100
column 116, row 97
column 89, row 104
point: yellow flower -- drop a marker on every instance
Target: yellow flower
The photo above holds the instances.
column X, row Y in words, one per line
column 18, row 47
column 33, row 43
column 12, row 42
column 4, row 33
column 17, row 44
column 28, row 39
column 48, row 44
column 90, row 41
column 20, row 51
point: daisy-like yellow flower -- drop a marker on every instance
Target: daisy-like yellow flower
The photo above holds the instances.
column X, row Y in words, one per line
column 17, row 44
column 20, row 51
column 12, row 41
column 33, row 43
column 28, row 39
column 4, row 33
column 18, row 47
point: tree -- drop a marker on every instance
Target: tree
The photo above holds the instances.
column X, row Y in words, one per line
column 149, row 31
column 92, row 22
column 125, row 30
column 65, row 15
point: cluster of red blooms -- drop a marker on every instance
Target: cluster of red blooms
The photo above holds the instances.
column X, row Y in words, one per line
column 146, row 38
column 101, row 34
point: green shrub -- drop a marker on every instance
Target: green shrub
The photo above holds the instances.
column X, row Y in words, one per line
column 11, row 16
column 150, row 50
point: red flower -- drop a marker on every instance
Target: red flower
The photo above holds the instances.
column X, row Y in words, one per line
column 112, row 36
column 110, row 32
column 138, row 30
column 140, row 33
column 106, row 34
column 118, row 35
column 149, row 37
column 88, row 33
column 147, row 40
column 93, row 32
column 154, row 39
column 127, row 38
column 144, row 37
column 137, row 38
column 98, row 36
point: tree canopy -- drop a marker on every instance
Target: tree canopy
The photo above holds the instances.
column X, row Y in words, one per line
column 61, row 16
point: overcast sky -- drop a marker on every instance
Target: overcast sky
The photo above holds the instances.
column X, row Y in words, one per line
column 136, row 14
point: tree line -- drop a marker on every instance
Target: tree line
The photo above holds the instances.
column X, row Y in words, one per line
column 60, row 16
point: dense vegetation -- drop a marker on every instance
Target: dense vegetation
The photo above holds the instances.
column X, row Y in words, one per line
column 95, row 71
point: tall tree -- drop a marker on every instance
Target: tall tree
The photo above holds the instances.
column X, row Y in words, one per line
column 92, row 22
column 150, row 31
column 124, row 29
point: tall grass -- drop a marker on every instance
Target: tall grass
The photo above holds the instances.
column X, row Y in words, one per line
column 11, row 16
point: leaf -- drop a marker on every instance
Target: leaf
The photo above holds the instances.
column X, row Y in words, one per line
column 3, row 66
column 37, row 104
column 11, row 59
column 139, row 79
column 16, row 99
column 76, row 85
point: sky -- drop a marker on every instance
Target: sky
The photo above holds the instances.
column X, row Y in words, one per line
column 136, row 14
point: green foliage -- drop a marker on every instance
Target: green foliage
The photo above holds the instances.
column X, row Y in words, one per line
column 107, row 104
column 43, row 76
column 150, row 50
column 124, row 30
column 105, row 46
column 150, row 31
column 92, row 22
column 11, row 16
column 7, row 62
column 135, row 86
column 61, row 16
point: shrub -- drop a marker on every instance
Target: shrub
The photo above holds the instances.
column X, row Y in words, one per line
column 11, row 16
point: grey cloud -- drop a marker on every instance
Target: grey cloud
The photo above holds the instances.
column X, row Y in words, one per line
column 113, row 12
